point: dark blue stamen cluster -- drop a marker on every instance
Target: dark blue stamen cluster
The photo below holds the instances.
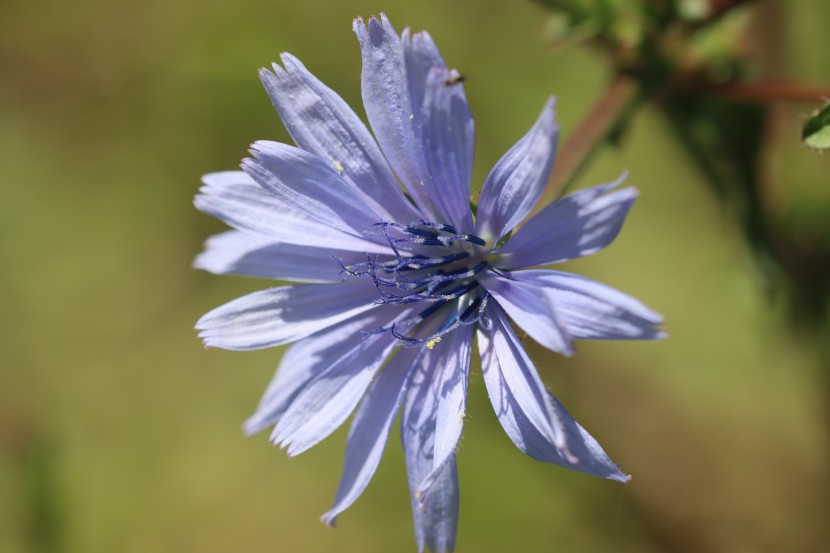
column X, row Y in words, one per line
column 433, row 263
column 471, row 315
column 424, row 233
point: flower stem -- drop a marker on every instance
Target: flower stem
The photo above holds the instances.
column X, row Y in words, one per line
column 592, row 133
column 719, row 8
column 774, row 90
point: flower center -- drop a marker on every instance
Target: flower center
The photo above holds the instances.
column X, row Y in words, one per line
column 434, row 264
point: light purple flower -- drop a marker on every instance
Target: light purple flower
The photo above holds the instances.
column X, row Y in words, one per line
column 398, row 280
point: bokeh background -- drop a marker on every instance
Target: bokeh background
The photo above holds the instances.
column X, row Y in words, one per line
column 120, row 433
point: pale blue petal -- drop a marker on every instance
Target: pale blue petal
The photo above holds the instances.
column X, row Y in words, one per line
column 293, row 373
column 453, row 362
column 514, row 185
column 307, row 358
column 436, row 513
column 420, row 56
column 509, row 375
column 328, row 400
column 370, row 430
column 508, row 369
column 535, row 314
column 591, row 310
column 321, row 123
column 449, row 142
column 234, row 197
column 394, row 117
column 576, row 225
column 281, row 315
column 438, row 519
column 445, row 125
column 592, row 459
column 307, row 184
column 248, row 254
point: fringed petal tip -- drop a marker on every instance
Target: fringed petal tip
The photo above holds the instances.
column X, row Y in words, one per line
column 358, row 23
column 205, row 341
column 252, row 425
column 623, row 176
column 203, row 325
column 622, row 477
column 657, row 321
column 329, row 520
column 257, row 149
column 381, row 19
column 550, row 108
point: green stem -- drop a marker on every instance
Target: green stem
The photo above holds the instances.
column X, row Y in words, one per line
column 621, row 96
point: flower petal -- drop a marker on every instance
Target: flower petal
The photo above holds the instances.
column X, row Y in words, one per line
column 436, row 514
column 393, row 115
column 420, row 56
column 453, row 362
column 233, row 197
column 307, row 184
column 305, row 359
column 281, row 315
column 436, row 522
column 591, row 310
column 534, row 314
column 321, row 123
column 248, row 254
column 592, row 459
column 527, row 411
column 514, row 185
column 508, row 370
column 446, row 128
column 370, row 430
column 328, row 400
column 449, row 142
column 576, row 225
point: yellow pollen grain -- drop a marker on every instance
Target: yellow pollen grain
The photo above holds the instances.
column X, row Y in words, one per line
column 338, row 167
column 431, row 343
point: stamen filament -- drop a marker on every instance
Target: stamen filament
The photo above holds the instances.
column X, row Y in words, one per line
column 441, row 281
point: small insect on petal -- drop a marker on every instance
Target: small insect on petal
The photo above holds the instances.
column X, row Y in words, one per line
column 455, row 78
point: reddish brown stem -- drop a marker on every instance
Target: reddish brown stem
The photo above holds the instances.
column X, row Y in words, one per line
column 718, row 8
column 774, row 91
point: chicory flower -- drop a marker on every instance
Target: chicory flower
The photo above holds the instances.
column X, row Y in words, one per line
column 399, row 274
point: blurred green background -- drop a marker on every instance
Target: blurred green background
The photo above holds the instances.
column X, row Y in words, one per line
column 120, row 433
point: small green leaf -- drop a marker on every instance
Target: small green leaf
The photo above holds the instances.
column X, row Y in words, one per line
column 816, row 131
